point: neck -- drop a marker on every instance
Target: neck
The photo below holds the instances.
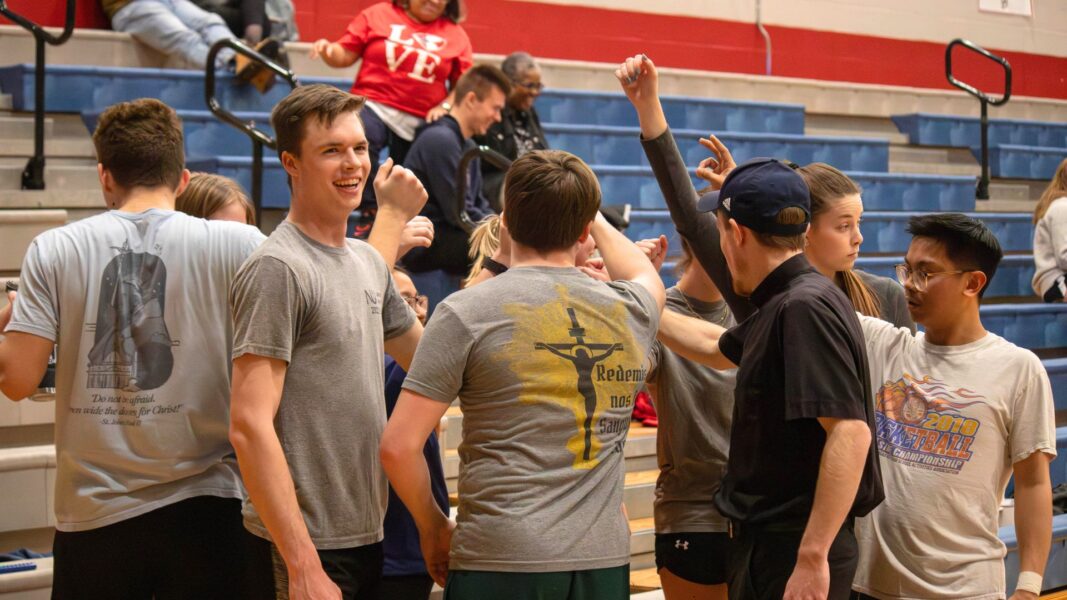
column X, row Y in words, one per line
column 460, row 115
column 326, row 229
column 826, row 271
column 698, row 286
column 142, row 199
column 764, row 263
column 524, row 256
column 965, row 329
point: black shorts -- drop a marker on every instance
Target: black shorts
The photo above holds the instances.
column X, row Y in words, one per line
column 701, row 558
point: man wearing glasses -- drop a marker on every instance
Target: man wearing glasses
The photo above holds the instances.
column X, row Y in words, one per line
column 959, row 410
column 519, row 130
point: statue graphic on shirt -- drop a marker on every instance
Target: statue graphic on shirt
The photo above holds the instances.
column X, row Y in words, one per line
column 584, row 357
column 132, row 347
column 580, row 355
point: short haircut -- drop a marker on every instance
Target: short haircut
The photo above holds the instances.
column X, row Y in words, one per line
column 549, row 198
column 321, row 102
column 140, row 144
column 207, row 193
column 969, row 244
column 517, row 64
column 480, row 79
column 790, row 215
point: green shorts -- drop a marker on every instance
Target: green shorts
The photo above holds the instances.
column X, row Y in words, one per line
column 596, row 584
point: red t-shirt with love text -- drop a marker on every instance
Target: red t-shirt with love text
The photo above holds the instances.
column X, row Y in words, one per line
column 406, row 63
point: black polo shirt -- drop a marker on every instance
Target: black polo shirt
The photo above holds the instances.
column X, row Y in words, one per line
column 801, row 356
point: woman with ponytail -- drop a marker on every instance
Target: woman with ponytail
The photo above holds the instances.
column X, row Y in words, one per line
column 833, row 244
column 1050, row 239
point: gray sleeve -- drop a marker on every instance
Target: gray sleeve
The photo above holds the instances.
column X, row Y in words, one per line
column 441, row 358
column 267, row 307
column 653, row 361
column 647, row 315
column 397, row 315
column 36, row 309
column 895, row 306
column 697, row 228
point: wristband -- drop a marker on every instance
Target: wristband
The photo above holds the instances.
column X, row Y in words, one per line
column 493, row 266
column 1029, row 582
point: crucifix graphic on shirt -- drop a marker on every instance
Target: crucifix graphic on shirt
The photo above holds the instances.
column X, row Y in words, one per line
column 584, row 356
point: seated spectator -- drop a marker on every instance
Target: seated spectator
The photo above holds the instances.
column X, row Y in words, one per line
column 413, row 51
column 247, row 19
column 216, row 198
column 519, row 130
column 434, row 158
column 1050, row 239
column 177, row 28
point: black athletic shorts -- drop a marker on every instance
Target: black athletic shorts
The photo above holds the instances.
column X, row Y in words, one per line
column 701, row 558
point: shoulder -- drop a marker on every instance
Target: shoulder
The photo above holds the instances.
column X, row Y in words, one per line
column 1011, row 357
column 438, row 132
column 1057, row 209
column 385, row 9
column 367, row 255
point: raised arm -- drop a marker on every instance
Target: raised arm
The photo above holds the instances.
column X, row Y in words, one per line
column 694, row 339
column 640, row 82
column 626, row 261
column 401, row 197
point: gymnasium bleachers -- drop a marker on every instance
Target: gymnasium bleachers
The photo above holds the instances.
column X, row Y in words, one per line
column 901, row 176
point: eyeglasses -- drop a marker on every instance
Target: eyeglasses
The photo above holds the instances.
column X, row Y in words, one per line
column 420, row 302
column 919, row 278
column 535, row 86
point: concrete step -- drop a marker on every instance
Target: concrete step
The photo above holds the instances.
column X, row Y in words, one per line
column 5, row 102
column 17, row 230
column 28, row 585
column 53, row 147
column 67, row 174
column 858, row 126
column 644, row 580
column 933, row 161
column 52, row 198
column 14, row 126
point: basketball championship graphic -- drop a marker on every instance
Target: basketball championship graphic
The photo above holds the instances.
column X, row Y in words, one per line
column 582, row 357
column 921, row 423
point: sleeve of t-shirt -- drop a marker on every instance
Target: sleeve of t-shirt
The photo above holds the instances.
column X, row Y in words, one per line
column 267, row 307
column 821, row 377
column 653, row 361
column 397, row 315
column 463, row 61
column 732, row 341
column 36, row 309
column 441, row 358
column 648, row 313
column 1033, row 421
column 356, row 34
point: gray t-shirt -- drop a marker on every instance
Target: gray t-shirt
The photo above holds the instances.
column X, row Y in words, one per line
column 326, row 312
column 695, row 407
column 137, row 302
column 546, row 363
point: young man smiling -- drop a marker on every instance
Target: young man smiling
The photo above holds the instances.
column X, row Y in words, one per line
column 311, row 310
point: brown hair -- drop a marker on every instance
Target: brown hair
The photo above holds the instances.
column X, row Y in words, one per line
column 790, row 215
column 828, row 185
column 484, row 242
column 1057, row 188
column 456, row 11
column 480, row 79
column 322, row 102
column 140, row 144
column 549, row 198
column 207, row 193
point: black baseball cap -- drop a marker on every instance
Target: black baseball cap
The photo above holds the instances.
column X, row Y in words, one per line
column 756, row 191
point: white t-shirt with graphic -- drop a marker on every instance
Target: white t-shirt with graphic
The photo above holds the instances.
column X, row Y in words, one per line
column 137, row 303
column 951, row 422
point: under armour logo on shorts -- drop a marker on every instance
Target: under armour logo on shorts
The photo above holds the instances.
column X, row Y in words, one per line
column 684, row 545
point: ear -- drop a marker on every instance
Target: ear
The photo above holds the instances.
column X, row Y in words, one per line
column 290, row 163
column 975, row 283
column 469, row 99
column 106, row 183
column 738, row 233
column 585, row 232
column 183, row 182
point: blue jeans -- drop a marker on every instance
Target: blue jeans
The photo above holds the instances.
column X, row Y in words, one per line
column 175, row 28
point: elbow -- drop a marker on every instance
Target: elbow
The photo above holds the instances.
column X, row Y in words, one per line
column 241, row 434
column 14, row 389
column 393, row 452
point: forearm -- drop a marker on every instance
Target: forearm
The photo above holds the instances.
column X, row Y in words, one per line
column 1033, row 524
column 650, row 117
column 385, row 235
column 840, row 470
column 623, row 260
column 409, row 475
column 693, row 339
column 338, row 57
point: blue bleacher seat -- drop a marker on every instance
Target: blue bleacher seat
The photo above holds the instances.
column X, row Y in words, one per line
column 577, row 107
column 1033, row 326
column 886, row 232
column 1023, row 162
column 925, row 129
column 1011, row 280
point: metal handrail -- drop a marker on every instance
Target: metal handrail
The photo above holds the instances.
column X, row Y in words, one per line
column 490, row 156
column 259, row 137
column 33, row 174
column 982, row 191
